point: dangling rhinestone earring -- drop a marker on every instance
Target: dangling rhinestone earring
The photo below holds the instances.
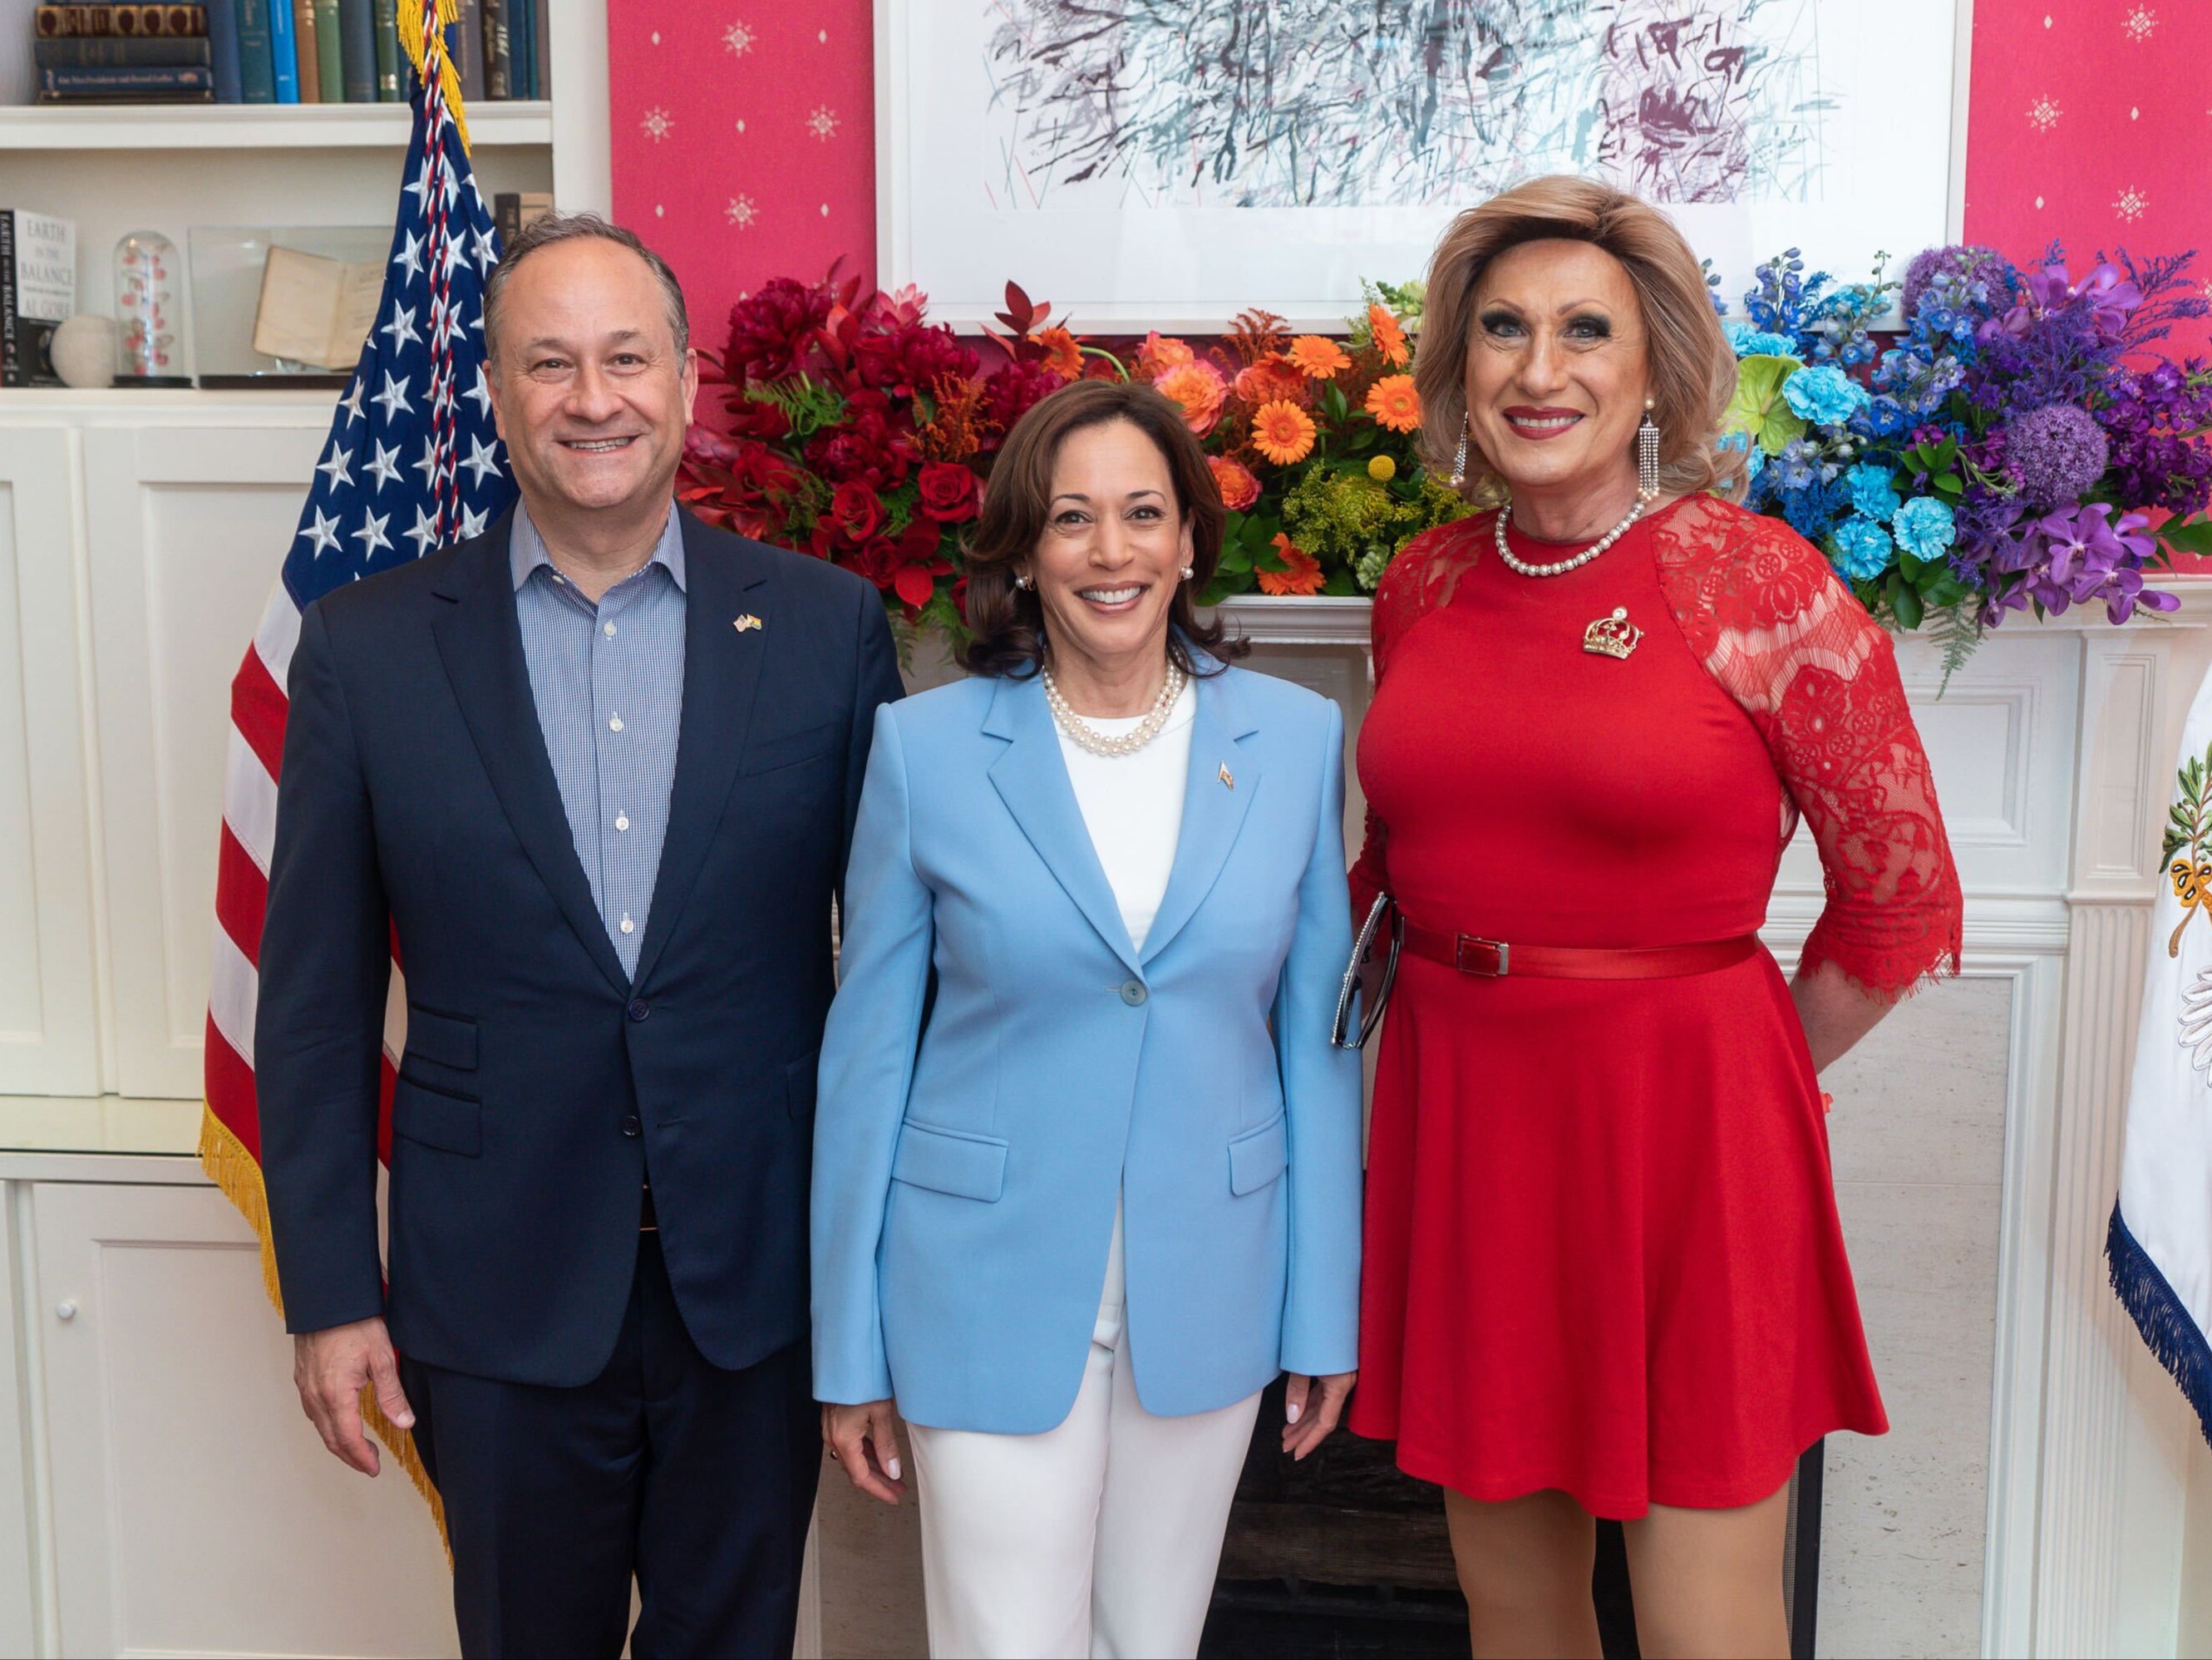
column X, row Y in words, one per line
column 1647, row 456
column 1459, row 456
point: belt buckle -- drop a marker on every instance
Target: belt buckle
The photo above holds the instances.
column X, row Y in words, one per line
column 1490, row 959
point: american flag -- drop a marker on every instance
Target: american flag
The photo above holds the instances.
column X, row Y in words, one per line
column 412, row 462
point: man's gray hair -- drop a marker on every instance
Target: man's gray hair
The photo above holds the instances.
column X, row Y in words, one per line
column 550, row 227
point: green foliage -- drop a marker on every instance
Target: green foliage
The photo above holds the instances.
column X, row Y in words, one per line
column 1759, row 407
column 1955, row 629
column 1356, row 526
column 2192, row 535
column 2189, row 821
column 806, row 402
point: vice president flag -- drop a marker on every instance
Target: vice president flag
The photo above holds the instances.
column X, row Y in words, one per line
column 412, row 462
column 2159, row 1244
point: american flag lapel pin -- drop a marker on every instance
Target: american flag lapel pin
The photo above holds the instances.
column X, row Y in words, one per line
column 748, row 622
column 1227, row 782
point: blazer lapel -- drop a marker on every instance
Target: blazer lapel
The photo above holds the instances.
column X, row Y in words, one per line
column 1031, row 779
column 722, row 675
column 1213, row 806
column 480, row 642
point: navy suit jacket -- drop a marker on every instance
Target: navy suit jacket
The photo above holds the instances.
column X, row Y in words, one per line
column 539, row 1083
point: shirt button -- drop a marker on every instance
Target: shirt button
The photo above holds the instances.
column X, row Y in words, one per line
column 1134, row 993
column 638, row 1010
column 614, row 723
column 608, row 629
column 627, row 927
column 622, row 821
column 631, row 1126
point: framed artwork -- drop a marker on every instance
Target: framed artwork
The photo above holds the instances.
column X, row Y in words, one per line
column 1166, row 163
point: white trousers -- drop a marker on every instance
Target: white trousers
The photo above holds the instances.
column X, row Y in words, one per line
column 1095, row 1541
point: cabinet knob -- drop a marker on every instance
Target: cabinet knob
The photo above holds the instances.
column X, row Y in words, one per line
column 65, row 1310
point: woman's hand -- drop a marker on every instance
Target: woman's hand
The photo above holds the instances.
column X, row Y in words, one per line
column 864, row 1440
column 1310, row 1412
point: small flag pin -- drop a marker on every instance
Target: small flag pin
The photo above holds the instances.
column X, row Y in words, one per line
column 747, row 622
column 1227, row 782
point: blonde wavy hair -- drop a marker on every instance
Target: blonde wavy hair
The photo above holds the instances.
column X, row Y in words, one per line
column 1692, row 367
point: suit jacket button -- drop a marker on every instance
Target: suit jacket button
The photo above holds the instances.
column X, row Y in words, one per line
column 638, row 1010
column 1134, row 993
column 630, row 1127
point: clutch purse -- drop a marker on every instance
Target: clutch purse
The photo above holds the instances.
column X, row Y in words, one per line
column 1340, row 1034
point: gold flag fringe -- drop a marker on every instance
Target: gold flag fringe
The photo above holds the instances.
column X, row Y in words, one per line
column 410, row 37
column 236, row 1173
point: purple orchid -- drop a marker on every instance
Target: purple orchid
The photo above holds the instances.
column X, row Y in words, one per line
column 2085, row 554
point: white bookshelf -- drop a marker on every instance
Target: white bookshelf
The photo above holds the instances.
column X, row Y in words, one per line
column 114, row 169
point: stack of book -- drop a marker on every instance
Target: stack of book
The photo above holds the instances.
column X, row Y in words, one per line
column 123, row 54
column 279, row 51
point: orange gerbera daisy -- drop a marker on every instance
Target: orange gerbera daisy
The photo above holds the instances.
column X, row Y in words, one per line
column 1239, row 488
column 1161, row 353
column 1389, row 337
column 1062, row 355
column 1304, row 575
column 1393, row 403
column 1282, row 432
column 1318, row 356
column 1199, row 388
column 1269, row 379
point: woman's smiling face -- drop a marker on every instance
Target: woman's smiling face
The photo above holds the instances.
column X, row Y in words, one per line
column 1557, row 370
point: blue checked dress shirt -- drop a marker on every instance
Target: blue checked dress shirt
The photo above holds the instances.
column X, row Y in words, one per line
column 607, row 681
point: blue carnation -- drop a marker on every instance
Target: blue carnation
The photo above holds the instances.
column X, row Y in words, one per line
column 1862, row 549
column 1755, row 343
column 1824, row 396
column 1872, row 494
column 1924, row 527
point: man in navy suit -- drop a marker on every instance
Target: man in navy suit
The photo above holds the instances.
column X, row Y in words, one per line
column 595, row 770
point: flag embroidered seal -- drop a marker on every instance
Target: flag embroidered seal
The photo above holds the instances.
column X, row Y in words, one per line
column 747, row 622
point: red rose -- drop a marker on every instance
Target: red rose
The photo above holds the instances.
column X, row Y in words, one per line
column 856, row 511
column 948, row 492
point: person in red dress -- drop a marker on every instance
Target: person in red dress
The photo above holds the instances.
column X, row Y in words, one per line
column 1603, row 1274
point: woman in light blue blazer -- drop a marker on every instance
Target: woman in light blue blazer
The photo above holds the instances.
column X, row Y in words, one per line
column 1087, row 1166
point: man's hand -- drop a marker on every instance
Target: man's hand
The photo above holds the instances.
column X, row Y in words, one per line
column 331, row 1368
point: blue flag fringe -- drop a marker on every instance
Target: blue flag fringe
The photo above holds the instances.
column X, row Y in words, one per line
column 2173, row 1337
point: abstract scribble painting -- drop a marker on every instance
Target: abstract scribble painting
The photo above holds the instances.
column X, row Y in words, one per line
column 1353, row 103
column 1168, row 161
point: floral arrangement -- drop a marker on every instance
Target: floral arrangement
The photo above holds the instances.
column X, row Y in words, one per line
column 861, row 433
column 2006, row 450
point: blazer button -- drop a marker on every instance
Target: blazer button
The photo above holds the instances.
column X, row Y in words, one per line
column 638, row 1010
column 630, row 1127
column 1134, row 993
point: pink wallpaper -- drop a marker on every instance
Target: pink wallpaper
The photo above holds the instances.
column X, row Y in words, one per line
column 743, row 140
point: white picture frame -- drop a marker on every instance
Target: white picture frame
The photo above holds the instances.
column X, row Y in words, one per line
column 1883, row 173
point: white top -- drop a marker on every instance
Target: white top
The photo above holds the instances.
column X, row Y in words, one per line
column 1133, row 806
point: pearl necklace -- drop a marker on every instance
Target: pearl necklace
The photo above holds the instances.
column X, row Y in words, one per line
column 1086, row 736
column 1562, row 566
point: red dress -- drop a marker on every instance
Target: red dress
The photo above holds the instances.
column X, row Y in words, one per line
column 1602, row 1248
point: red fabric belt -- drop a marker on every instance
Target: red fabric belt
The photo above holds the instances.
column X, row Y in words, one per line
column 1498, row 959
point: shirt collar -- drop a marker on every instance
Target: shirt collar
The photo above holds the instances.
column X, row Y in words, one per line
column 525, row 549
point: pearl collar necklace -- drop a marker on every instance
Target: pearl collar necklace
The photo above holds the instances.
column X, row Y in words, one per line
column 1562, row 566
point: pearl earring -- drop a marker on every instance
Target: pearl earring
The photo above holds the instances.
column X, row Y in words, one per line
column 1021, row 581
column 1189, row 571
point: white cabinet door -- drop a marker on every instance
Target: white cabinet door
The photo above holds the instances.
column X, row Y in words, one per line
column 195, row 1510
column 49, row 1040
column 189, row 526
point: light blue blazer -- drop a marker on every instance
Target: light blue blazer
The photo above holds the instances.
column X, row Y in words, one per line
column 999, row 1064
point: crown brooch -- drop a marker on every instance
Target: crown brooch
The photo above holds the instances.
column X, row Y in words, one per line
column 1612, row 636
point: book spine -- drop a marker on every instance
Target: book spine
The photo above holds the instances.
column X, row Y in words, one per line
column 357, row 33
column 306, row 55
column 113, row 81
column 499, row 64
column 58, row 21
column 257, row 68
column 519, row 16
column 467, row 40
column 284, row 63
column 541, row 69
column 222, row 51
column 329, row 52
column 11, row 373
column 96, row 51
column 506, row 217
column 385, row 13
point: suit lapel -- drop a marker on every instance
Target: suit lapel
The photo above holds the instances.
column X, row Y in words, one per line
column 480, row 642
column 1031, row 779
column 1212, row 809
column 722, row 675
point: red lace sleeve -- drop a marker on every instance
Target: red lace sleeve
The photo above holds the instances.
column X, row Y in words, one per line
column 1421, row 579
column 1817, row 676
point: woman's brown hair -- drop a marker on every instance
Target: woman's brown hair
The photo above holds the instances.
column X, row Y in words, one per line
column 1008, row 622
column 1692, row 369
